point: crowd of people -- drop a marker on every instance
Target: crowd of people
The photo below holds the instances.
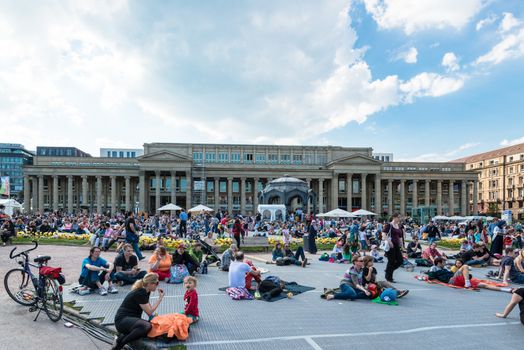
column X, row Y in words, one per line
column 357, row 245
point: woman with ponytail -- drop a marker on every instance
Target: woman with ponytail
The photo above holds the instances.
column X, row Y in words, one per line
column 128, row 319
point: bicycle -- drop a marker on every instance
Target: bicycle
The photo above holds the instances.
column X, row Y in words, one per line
column 42, row 292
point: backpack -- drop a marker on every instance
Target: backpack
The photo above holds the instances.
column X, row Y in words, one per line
column 324, row 257
column 441, row 275
column 276, row 280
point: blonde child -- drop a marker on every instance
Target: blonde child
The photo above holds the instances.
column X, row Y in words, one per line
column 191, row 298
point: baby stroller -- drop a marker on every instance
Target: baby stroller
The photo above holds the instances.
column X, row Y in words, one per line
column 211, row 255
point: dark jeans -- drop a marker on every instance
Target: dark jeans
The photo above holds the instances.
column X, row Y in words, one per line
column 415, row 255
column 395, row 260
column 136, row 248
column 128, row 279
column 183, row 228
column 349, row 293
column 93, row 277
column 237, row 238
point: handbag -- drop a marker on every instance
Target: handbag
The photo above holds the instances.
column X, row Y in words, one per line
column 384, row 244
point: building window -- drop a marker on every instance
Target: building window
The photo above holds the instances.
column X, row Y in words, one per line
column 236, row 186
column 210, row 157
column 121, row 154
column 223, row 186
column 297, row 159
column 273, row 158
column 341, row 186
column 210, row 186
column 285, row 159
column 309, row 159
column 197, row 156
column 249, row 187
column 235, row 157
column 113, row 154
column 248, row 157
column 223, row 157
column 133, row 154
column 260, row 158
column 109, row 154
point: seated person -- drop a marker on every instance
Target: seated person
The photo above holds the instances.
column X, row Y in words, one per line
column 414, row 249
column 126, row 267
column 196, row 253
column 95, row 272
column 517, row 297
column 369, row 275
column 375, row 254
column 336, row 253
column 251, row 277
column 160, row 263
column 210, row 241
column 239, row 270
column 509, row 267
column 459, row 276
column 431, row 253
column 352, row 285
column 294, row 258
column 465, row 246
column 479, row 255
column 181, row 257
column 228, row 256
column 278, row 252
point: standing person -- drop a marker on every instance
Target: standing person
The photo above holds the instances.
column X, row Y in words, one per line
column 126, row 267
column 183, row 223
column 432, row 231
column 312, row 235
column 497, row 244
column 396, row 243
column 132, row 234
column 128, row 319
column 237, row 231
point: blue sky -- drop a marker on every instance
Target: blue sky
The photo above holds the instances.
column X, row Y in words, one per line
column 425, row 80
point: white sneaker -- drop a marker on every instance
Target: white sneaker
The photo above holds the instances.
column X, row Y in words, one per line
column 112, row 290
column 467, row 284
column 84, row 291
column 102, row 291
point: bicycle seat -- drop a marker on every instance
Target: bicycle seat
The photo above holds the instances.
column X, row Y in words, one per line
column 42, row 259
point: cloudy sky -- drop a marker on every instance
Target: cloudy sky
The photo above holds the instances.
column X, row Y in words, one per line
column 428, row 80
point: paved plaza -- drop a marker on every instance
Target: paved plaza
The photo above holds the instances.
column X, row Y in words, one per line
column 430, row 315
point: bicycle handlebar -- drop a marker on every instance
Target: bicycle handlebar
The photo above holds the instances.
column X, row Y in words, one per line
column 24, row 252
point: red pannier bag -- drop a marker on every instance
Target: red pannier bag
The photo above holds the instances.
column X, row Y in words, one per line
column 51, row 272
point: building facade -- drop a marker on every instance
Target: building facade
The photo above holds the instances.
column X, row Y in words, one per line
column 52, row 151
column 121, row 152
column 229, row 177
column 13, row 157
column 501, row 180
column 383, row 157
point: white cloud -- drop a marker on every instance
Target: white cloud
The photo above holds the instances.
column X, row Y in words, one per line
column 507, row 142
column 510, row 47
column 508, row 22
column 486, row 21
column 412, row 16
column 450, row 61
column 440, row 157
column 408, row 56
column 430, row 84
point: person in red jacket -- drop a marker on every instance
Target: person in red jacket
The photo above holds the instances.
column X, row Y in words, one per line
column 191, row 298
column 237, row 231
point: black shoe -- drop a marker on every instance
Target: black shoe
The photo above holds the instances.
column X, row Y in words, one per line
column 403, row 293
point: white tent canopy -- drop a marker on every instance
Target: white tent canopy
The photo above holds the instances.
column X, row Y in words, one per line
column 362, row 212
column 337, row 213
column 169, row 206
column 441, row 217
column 10, row 206
column 199, row 208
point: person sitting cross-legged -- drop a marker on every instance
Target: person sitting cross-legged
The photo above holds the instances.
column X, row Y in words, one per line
column 95, row 272
column 238, row 271
column 126, row 267
column 160, row 263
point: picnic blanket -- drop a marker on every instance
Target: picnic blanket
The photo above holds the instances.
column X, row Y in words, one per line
column 435, row 281
column 379, row 301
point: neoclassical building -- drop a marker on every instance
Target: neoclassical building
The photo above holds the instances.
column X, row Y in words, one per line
column 229, row 177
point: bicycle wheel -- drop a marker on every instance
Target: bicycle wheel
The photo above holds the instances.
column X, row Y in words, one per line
column 53, row 302
column 20, row 288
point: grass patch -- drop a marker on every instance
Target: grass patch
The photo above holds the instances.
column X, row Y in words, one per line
column 449, row 245
column 50, row 241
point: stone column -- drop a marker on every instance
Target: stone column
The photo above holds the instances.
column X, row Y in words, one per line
column 27, row 194
column 255, row 195
column 55, row 192
column 390, row 197
column 439, row 197
column 128, row 193
column 84, row 191
column 364, row 189
column 242, row 196
column 415, row 194
column 230, row 195
column 378, row 194
column 334, row 192
column 463, row 198
column 157, row 190
column 217, row 194
column 427, row 193
column 349, row 192
column 320, row 195
column 142, row 191
column 475, row 198
column 451, row 203
column 34, row 194
column 113, row 194
column 173, row 187
column 99, row 194
column 70, row 194
column 41, row 193
column 402, row 197
column 189, row 189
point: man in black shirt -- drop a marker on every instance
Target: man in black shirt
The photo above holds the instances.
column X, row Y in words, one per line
column 132, row 234
column 126, row 267
column 432, row 232
column 414, row 249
